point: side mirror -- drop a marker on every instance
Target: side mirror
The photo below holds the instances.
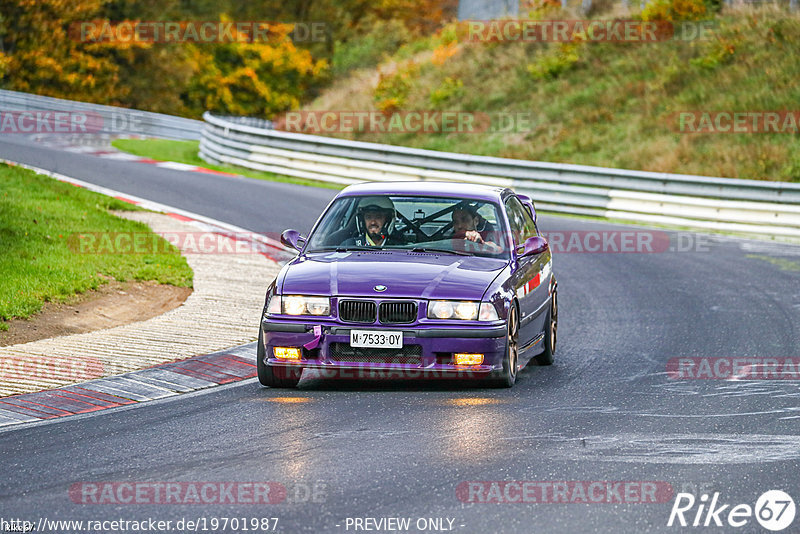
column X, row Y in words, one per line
column 534, row 245
column 293, row 239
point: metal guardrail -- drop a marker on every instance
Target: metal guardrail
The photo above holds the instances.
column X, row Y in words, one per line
column 112, row 120
column 748, row 206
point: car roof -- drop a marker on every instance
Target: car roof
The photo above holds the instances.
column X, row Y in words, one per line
column 446, row 189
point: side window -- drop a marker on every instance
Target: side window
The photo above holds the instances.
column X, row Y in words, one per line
column 522, row 225
column 516, row 220
column 530, row 225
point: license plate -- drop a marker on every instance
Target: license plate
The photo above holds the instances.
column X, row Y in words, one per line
column 376, row 339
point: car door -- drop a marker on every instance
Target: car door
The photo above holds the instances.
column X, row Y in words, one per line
column 528, row 279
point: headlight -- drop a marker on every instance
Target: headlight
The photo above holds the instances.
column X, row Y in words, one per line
column 466, row 310
column 301, row 305
column 440, row 309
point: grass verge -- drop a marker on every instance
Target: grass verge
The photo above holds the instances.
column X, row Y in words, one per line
column 186, row 152
column 38, row 215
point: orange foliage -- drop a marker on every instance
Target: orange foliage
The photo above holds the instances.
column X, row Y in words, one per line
column 422, row 16
column 444, row 52
column 253, row 79
column 675, row 10
column 43, row 59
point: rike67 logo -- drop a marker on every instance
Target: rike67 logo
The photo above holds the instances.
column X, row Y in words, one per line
column 774, row 510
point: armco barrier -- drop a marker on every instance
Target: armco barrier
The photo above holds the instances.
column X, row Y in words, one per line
column 747, row 206
column 116, row 120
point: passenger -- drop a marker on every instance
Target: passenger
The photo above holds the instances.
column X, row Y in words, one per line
column 469, row 225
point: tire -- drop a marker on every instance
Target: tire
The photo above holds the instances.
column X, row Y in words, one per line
column 271, row 376
column 508, row 376
column 550, row 334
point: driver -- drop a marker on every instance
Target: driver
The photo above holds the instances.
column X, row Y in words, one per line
column 375, row 220
column 469, row 225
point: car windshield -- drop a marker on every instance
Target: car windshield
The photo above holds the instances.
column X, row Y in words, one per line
column 438, row 225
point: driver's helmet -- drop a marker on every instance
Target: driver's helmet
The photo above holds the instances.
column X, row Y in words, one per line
column 384, row 204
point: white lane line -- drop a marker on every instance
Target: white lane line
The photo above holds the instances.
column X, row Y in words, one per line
column 122, row 156
column 174, row 165
column 4, row 421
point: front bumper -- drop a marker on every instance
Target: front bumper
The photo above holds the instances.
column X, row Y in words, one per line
column 434, row 346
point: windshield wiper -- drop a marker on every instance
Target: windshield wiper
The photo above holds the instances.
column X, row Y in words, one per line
column 438, row 250
column 344, row 249
column 357, row 248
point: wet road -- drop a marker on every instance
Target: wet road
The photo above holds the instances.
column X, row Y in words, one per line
column 605, row 411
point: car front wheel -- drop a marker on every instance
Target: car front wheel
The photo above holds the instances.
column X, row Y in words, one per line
column 508, row 376
column 550, row 334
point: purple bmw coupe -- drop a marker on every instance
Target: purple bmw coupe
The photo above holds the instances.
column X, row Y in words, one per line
column 420, row 279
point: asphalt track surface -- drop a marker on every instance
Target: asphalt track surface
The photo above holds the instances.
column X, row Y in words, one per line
column 605, row 411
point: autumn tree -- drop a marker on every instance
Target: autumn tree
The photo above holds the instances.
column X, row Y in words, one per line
column 38, row 54
column 254, row 79
column 42, row 58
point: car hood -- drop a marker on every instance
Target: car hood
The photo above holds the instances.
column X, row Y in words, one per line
column 405, row 274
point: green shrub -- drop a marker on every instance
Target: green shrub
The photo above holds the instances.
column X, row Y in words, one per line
column 392, row 90
column 450, row 89
column 367, row 50
column 552, row 63
column 722, row 51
